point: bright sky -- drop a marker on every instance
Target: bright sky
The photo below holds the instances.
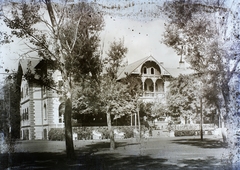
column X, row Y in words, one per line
column 141, row 37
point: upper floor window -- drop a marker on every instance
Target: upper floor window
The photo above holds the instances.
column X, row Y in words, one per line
column 152, row 70
column 45, row 111
column 44, row 90
column 27, row 114
column 22, row 93
column 26, row 91
column 144, row 70
column 60, row 86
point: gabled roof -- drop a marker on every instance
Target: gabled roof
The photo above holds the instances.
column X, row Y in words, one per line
column 135, row 68
column 28, row 64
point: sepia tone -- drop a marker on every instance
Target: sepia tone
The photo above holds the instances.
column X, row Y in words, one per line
column 104, row 84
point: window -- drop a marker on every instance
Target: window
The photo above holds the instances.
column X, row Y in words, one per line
column 61, row 111
column 22, row 93
column 27, row 114
column 45, row 111
column 60, row 86
column 152, row 70
column 27, row 91
column 145, row 70
column 44, row 90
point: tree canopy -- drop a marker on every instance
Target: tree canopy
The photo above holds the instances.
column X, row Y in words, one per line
column 205, row 33
column 66, row 35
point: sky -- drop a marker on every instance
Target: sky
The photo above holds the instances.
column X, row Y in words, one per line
column 142, row 36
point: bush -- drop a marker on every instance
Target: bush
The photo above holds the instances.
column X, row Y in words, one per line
column 105, row 133
column 128, row 131
column 56, row 134
column 186, row 132
column 83, row 133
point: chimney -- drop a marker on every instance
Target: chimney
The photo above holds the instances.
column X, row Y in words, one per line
column 181, row 63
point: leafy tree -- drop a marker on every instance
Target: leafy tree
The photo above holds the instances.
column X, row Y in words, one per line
column 205, row 32
column 62, row 34
column 107, row 95
column 158, row 110
column 183, row 98
column 115, row 100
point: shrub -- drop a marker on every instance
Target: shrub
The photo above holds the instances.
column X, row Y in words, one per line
column 186, row 132
column 56, row 134
column 105, row 133
column 83, row 133
column 128, row 131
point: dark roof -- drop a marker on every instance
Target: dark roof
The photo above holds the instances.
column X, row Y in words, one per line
column 133, row 66
column 28, row 64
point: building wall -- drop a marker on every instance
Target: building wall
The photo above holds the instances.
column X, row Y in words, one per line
column 154, row 85
column 39, row 110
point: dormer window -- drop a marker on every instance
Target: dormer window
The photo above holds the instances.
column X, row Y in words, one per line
column 152, row 70
column 144, row 70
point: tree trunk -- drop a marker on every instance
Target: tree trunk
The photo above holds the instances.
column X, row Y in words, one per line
column 111, row 134
column 226, row 97
column 68, row 129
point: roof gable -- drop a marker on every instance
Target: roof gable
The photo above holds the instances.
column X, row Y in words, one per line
column 28, row 64
column 135, row 67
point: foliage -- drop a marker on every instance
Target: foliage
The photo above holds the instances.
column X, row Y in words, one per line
column 183, row 96
column 10, row 111
column 207, row 34
column 56, row 134
column 114, row 61
column 186, row 132
column 171, row 126
column 69, row 38
column 83, row 133
column 128, row 131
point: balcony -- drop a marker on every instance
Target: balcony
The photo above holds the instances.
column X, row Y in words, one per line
column 159, row 95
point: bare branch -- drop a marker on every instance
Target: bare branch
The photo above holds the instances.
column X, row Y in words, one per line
column 75, row 36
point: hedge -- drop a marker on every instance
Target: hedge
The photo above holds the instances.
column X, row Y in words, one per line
column 56, row 134
column 190, row 132
column 186, row 132
column 85, row 133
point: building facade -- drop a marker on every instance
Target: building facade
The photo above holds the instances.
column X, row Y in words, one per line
column 154, row 78
column 39, row 106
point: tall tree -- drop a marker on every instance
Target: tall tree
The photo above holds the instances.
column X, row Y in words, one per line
column 106, row 95
column 67, row 35
column 205, row 32
column 183, row 97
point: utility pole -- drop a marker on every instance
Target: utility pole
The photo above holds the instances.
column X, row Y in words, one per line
column 139, row 124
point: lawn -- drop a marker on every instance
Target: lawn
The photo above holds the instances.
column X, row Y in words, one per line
column 158, row 153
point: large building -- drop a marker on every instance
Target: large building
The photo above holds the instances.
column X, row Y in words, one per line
column 155, row 78
column 40, row 106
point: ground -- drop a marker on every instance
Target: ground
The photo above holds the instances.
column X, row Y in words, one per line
column 153, row 153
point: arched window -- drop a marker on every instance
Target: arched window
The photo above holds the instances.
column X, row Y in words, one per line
column 61, row 111
column 152, row 70
column 144, row 70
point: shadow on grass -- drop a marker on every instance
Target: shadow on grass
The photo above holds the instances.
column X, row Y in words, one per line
column 108, row 161
column 205, row 143
column 105, row 145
